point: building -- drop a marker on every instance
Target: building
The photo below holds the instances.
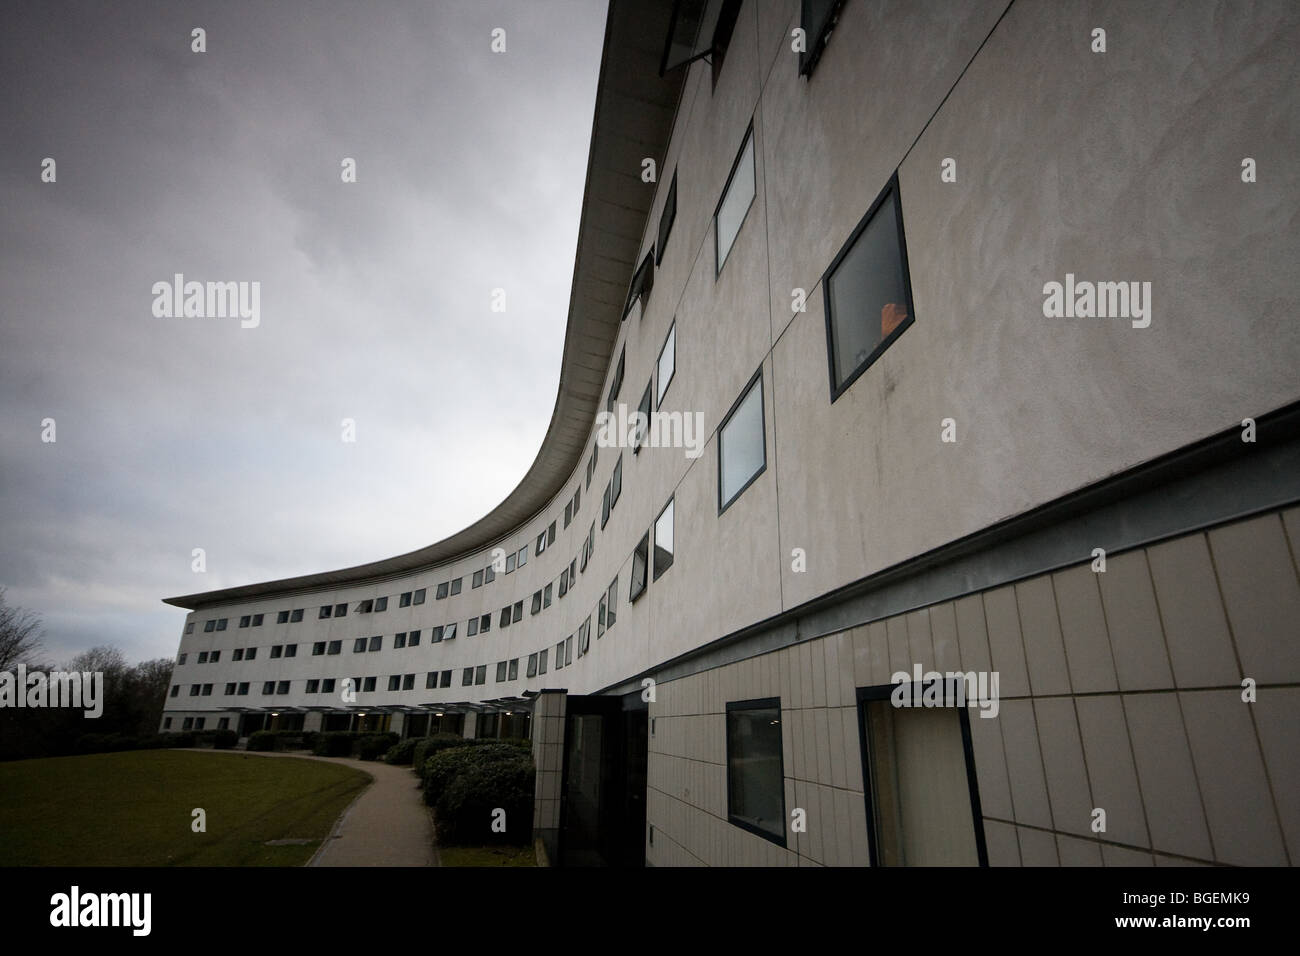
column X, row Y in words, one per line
column 1081, row 496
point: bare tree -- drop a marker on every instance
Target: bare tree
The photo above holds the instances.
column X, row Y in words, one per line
column 20, row 637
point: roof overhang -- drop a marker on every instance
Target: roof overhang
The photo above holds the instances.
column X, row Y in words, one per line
column 633, row 119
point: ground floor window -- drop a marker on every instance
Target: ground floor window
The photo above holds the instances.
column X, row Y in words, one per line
column 755, row 778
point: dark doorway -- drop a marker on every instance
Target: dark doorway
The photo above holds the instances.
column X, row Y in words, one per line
column 602, row 808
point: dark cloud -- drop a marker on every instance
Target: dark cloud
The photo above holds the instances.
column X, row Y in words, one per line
column 183, row 433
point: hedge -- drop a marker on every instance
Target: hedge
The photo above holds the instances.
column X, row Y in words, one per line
column 374, row 746
column 468, row 785
column 402, row 752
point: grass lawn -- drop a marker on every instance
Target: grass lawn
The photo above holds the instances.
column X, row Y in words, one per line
column 134, row 808
column 487, row 856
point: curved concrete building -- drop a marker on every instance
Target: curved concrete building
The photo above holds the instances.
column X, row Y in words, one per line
column 964, row 528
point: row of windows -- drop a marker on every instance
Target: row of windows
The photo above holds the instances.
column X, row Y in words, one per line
column 196, row 723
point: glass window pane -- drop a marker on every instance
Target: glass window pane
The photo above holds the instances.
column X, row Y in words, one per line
column 755, row 790
column 664, row 540
column 667, row 364
column 740, row 193
column 742, row 449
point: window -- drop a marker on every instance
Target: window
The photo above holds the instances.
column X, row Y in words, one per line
column 210, row 626
column 514, row 669
column 568, row 650
column 336, row 647
column 291, row 650
column 505, row 616
column 317, row 649
column 326, row 610
column 203, row 657
column 404, row 600
column 604, row 508
column 577, row 500
column 591, row 465
column 221, row 624
column 501, row 671
column 755, row 788
column 408, row 682
column 573, row 572
column 615, row 386
column 268, row 687
column 243, row 690
column 477, row 580
column 640, row 558
column 431, row 680
column 489, row 574
column 176, row 689
column 664, row 540
column 666, row 220
column 250, row 653
column 446, row 678
column 327, row 685
column 480, row 674
column 359, row 646
column 246, row 620
column 294, row 616
column 366, row 606
column 532, row 665
column 736, row 199
column 456, row 585
column 187, row 723
column 189, row 629
column 537, row 603
column 568, row 513
column 399, row 639
column 369, row 684
column 257, row 622
column 418, row 597
column 413, row 639
column 611, row 612
column 167, row 723
column 282, row 617
column 867, row 280
column 449, row 632
column 485, row 623
column 616, row 482
column 546, row 595
column 541, row 543
column 559, row 655
column 510, row 562
column 550, row 533
column 381, row 604
column 600, row 618
column 377, row 642
column 207, row 690
column 643, row 421
column 442, row 592
column 395, row 682
column 921, row 805
column 471, row 627
column 584, row 637
column 817, row 17
column 742, row 444
column 230, row 689
column 276, row 650
column 667, row 365
column 564, row 582
column 523, row 556
column 214, row 657
column 518, row 611
column 722, row 35
column 341, row 610
column 643, row 281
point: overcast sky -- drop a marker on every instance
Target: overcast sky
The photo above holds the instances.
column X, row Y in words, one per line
column 182, row 433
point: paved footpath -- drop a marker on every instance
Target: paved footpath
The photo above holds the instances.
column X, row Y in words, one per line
column 388, row 824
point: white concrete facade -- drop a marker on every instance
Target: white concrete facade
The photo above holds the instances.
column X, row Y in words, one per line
column 1116, row 166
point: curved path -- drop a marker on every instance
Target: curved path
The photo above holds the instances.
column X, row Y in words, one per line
column 387, row 824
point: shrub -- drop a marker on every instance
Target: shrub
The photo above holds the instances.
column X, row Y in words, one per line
column 224, row 739
column 402, row 752
column 429, row 746
column 262, row 740
column 374, row 746
column 466, row 785
column 334, row 743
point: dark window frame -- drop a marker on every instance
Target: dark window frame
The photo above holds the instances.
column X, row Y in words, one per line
column 731, row 176
column 757, row 378
column 666, row 219
column 816, row 46
column 758, row 703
